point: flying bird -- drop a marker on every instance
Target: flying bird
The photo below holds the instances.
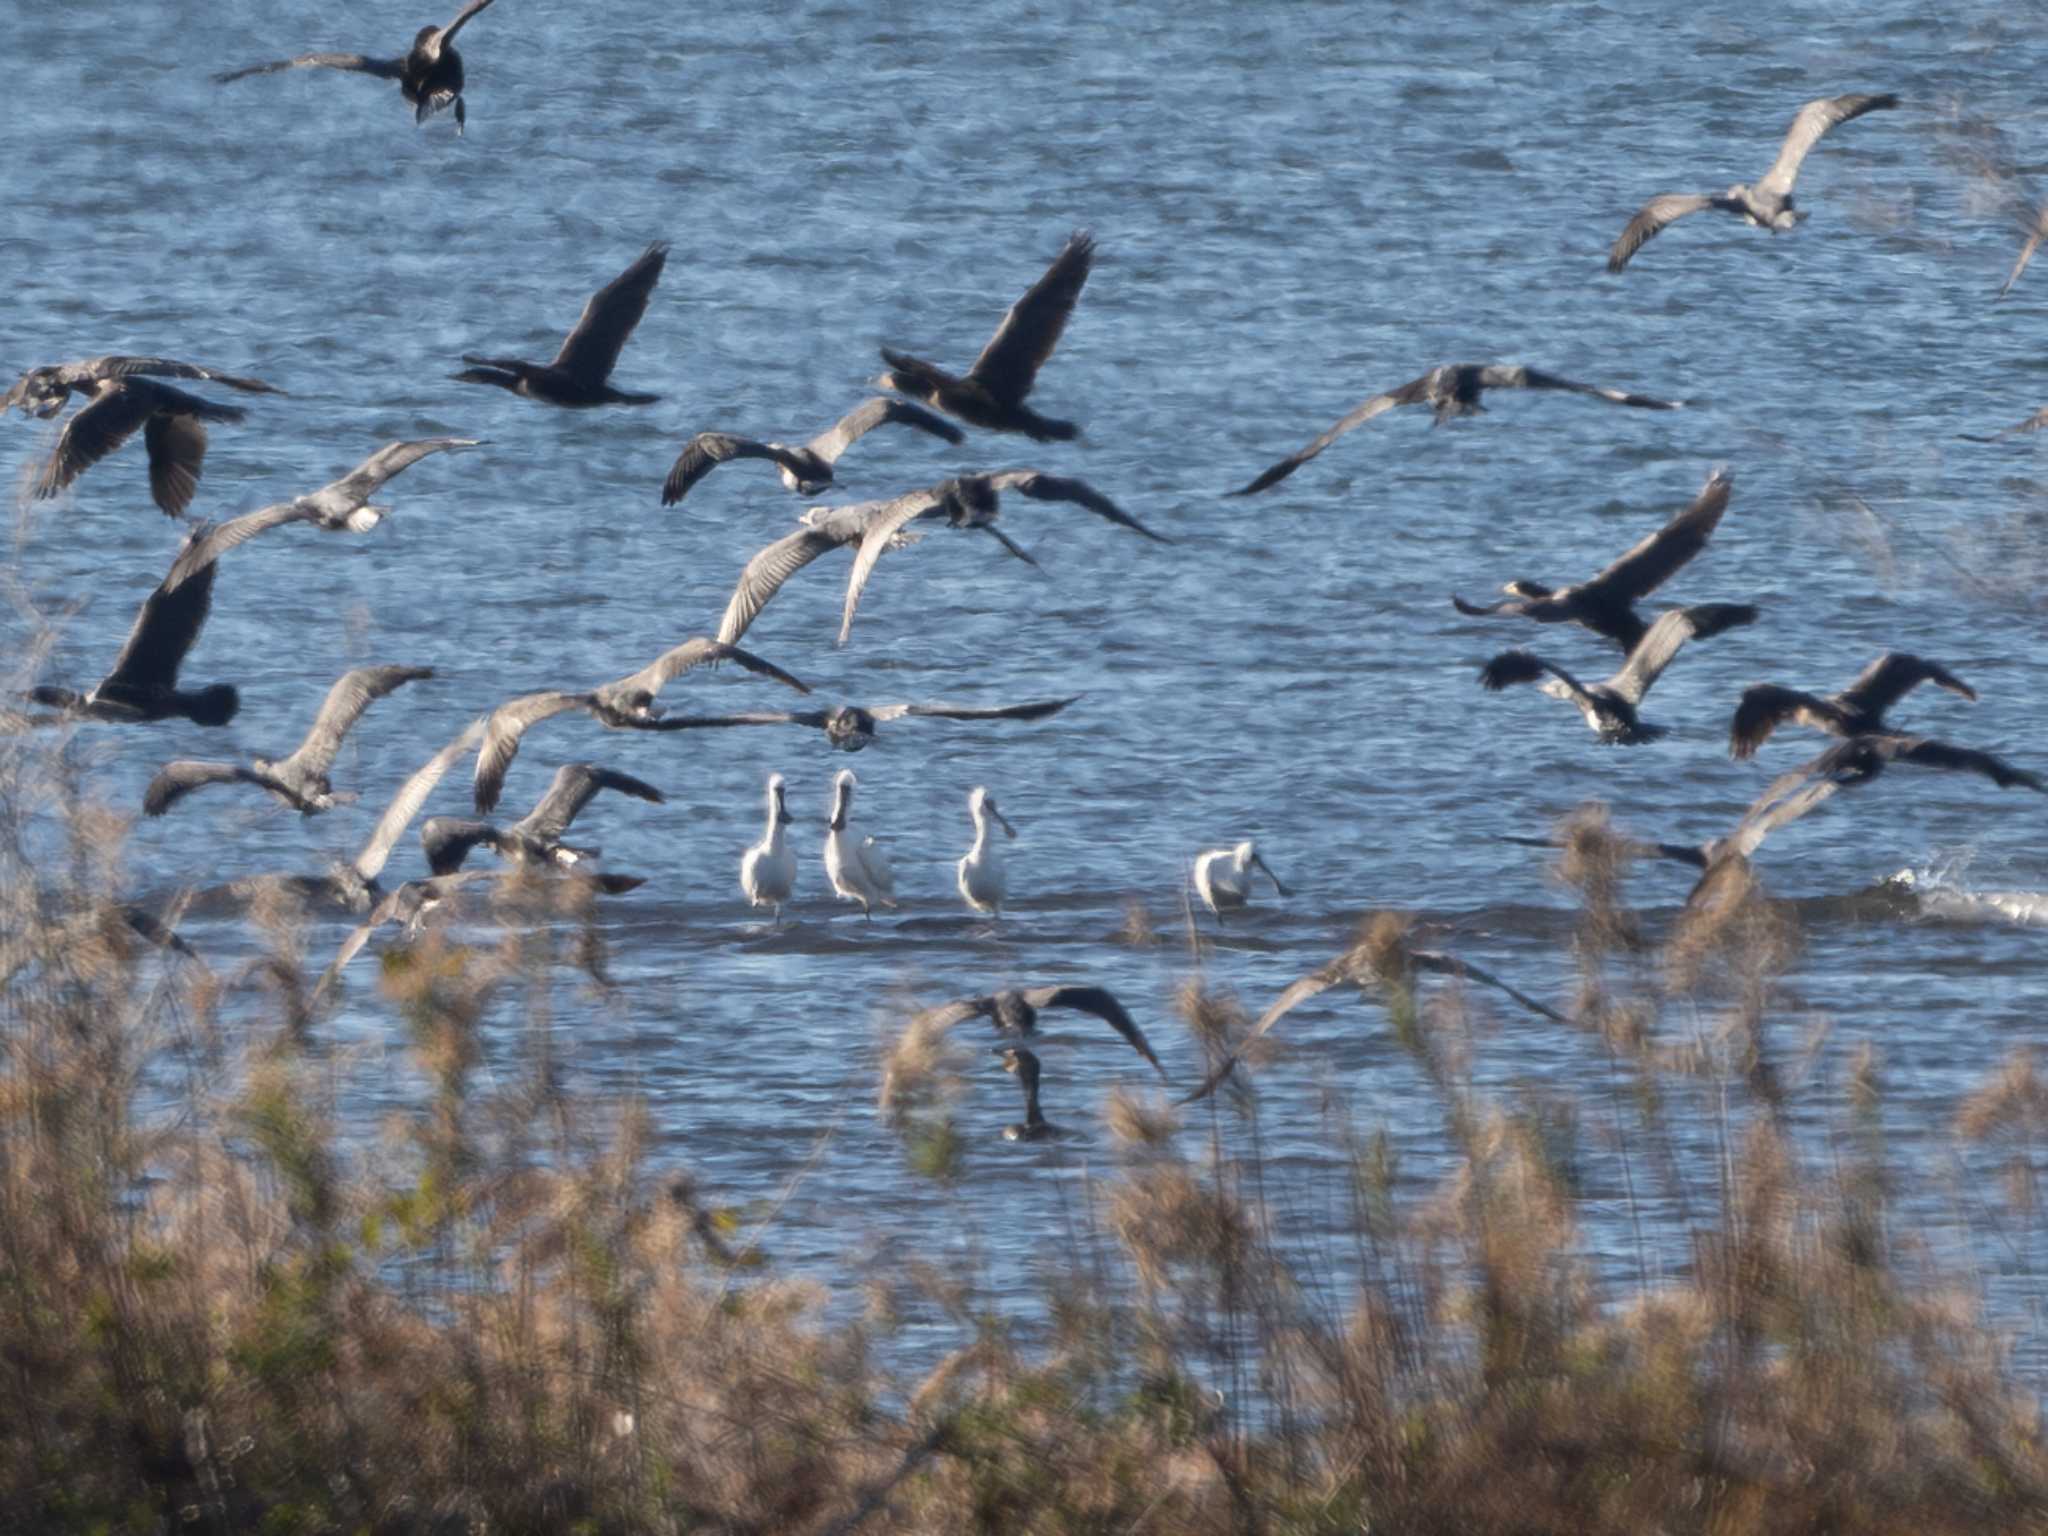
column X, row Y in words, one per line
column 429, row 76
column 874, row 527
column 1382, row 959
column 856, row 865
column 580, row 373
column 536, row 838
column 299, row 780
column 806, row 469
column 1606, row 603
column 992, row 394
column 850, row 728
column 1611, row 707
column 1863, row 757
column 1223, row 877
column 1768, row 204
column 624, row 705
column 122, row 395
column 1450, row 389
column 1858, row 709
column 1016, row 1011
column 143, row 685
column 345, row 503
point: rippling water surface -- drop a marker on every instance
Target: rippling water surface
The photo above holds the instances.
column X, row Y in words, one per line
column 1297, row 206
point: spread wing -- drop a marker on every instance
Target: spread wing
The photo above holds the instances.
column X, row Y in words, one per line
column 698, row 652
column 448, row 32
column 765, row 574
column 1654, row 560
column 210, row 541
column 1463, row 970
column 406, row 803
column 175, row 780
column 592, row 349
column 1894, row 675
column 879, row 411
column 707, row 450
column 1009, row 364
column 1412, row 393
column 177, row 450
column 815, row 718
column 1513, row 376
column 351, row 694
column 166, row 628
column 341, row 497
column 1765, row 706
column 1658, row 648
column 1651, row 218
column 2035, row 232
column 91, row 434
column 1098, row 1001
column 1039, row 487
column 1311, row 985
column 1040, row 710
column 355, row 63
column 1859, row 757
column 448, row 840
column 507, row 723
column 1814, row 119
column 1512, row 667
column 123, row 367
column 882, row 527
column 574, row 785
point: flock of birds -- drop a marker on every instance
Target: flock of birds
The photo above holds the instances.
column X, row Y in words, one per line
column 124, row 393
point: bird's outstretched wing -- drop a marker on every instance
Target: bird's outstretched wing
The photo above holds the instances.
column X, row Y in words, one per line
column 879, row 411
column 592, row 348
column 1414, row 392
column 355, row 63
column 1894, row 675
column 1515, row 376
column 351, row 694
column 167, row 625
column 91, row 434
column 447, row 33
column 1311, row 985
column 1518, row 666
column 1040, row 710
column 177, row 452
column 765, row 574
column 448, row 840
column 1765, row 706
column 341, row 497
column 574, row 785
column 1100, row 1002
column 1651, row 219
column 1009, row 364
column 1864, row 757
column 1042, row 487
column 501, row 733
column 175, row 780
column 2037, row 228
column 697, row 652
column 121, row 366
column 405, row 805
column 707, row 450
column 1657, row 557
column 1658, row 648
column 1813, row 120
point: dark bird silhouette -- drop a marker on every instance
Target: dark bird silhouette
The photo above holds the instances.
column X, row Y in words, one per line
column 2033, row 423
column 807, row 469
column 1768, row 204
column 581, row 371
column 345, row 503
column 429, row 76
column 849, row 727
column 536, row 838
column 874, row 527
column 1016, row 1011
column 1035, row 1127
column 1381, row 960
column 1606, row 603
column 144, row 682
column 992, row 394
column 1858, row 709
column 624, row 705
column 122, row 395
column 1863, row 757
column 1450, row 389
column 1611, row 707
column 300, row 780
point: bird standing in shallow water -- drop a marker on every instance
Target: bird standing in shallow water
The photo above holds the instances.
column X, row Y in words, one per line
column 768, row 869
column 991, row 396
column 1223, row 877
column 429, row 76
column 580, row 374
column 1768, row 204
column 982, row 881
column 856, row 865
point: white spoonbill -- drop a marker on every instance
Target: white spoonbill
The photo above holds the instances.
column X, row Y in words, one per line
column 768, row 869
column 856, row 866
column 982, row 881
column 1223, row 877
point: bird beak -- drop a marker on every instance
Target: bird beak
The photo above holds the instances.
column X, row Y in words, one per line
column 999, row 816
column 1270, row 875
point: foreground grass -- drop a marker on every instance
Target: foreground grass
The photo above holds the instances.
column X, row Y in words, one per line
column 218, row 1317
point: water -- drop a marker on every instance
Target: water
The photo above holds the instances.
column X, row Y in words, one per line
column 1297, row 207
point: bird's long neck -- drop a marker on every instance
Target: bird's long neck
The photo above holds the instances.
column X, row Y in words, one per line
column 840, row 808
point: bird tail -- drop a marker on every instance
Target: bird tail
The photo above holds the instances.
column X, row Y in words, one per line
column 213, row 706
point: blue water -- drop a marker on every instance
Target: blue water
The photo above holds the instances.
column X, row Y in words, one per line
column 1297, row 207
